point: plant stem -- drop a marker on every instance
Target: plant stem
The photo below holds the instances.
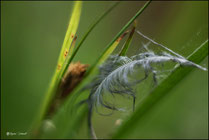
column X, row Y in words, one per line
column 51, row 91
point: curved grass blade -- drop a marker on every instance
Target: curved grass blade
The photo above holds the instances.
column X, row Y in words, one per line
column 65, row 65
column 72, row 28
column 71, row 31
column 110, row 49
column 160, row 91
column 128, row 42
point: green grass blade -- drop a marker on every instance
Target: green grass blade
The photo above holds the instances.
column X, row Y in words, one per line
column 65, row 65
column 160, row 91
column 71, row 31
column 110, row 49
column 128, row 42
column 97, row 21
column 72, row 28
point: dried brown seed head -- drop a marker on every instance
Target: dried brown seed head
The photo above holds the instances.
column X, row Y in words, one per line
column 77, row 68
column 73, row 76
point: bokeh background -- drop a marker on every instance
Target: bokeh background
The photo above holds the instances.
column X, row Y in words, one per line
column 32, row 34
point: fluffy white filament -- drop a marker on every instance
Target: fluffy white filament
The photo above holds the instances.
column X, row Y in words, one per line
column 122, row 73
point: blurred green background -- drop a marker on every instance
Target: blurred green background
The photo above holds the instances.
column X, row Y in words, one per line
column 32, row 34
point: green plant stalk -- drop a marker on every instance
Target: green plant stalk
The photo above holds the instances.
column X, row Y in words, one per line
column 71, row 31
column 72, row 27
column 65, row 65
column 160, row 91
column 127, row 43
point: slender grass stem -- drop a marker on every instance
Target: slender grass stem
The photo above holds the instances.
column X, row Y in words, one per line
column 71, row 30
column 127, row 43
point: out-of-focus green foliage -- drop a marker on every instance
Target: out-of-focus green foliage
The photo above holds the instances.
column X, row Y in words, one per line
column 31, row 38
